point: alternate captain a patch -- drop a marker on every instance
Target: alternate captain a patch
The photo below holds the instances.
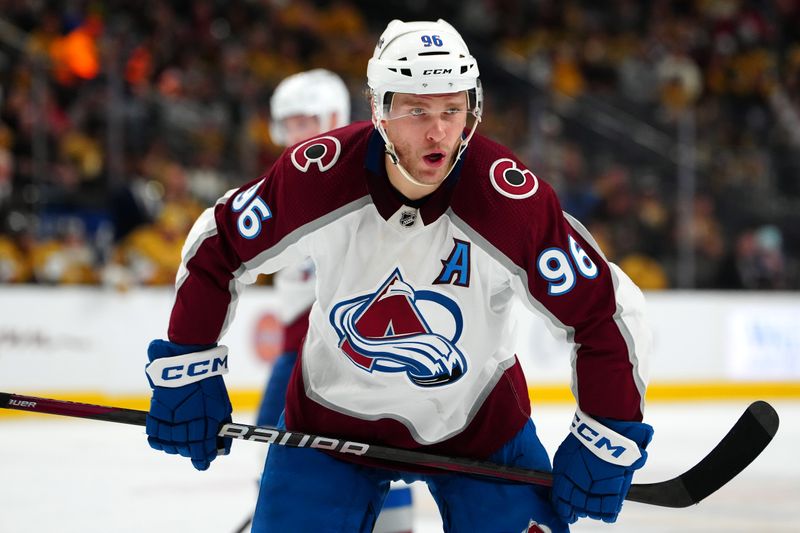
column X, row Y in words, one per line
column 455, row 269
column 400, row 329
column 321, row 151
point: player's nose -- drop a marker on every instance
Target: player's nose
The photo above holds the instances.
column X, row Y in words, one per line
column 436, row 130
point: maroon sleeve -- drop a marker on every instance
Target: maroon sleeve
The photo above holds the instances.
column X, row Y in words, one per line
column 222, row 239
column 243, row 228
column 565, row 277
column 574, row 283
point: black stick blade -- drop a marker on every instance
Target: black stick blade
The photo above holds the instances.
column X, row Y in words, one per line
column 744, row 442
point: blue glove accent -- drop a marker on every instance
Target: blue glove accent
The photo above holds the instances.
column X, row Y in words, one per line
column 185, row 420
column 584, row 485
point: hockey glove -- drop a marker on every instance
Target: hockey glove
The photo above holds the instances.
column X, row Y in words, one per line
column 593, row 467
column 189, row 400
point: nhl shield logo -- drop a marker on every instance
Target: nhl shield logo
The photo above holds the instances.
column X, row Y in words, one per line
column 386, row 331
column 407, row 218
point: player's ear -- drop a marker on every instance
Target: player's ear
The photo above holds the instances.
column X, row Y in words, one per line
column 335, row 121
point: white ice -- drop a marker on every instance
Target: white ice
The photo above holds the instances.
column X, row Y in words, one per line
column 67, row 475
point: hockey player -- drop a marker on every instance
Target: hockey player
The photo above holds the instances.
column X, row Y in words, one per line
column 421, row 246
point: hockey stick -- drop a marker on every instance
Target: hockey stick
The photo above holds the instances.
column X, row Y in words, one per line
column 744, row 442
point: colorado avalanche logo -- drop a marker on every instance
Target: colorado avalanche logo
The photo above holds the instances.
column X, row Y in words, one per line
column 511, row 181
column 386, row 332
column 321, row 151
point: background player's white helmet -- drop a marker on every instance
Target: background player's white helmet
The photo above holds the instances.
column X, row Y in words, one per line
column 314, row 93
column 421, row 57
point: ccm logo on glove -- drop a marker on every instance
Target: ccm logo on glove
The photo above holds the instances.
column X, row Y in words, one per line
column 184, row 369
column 606, row 444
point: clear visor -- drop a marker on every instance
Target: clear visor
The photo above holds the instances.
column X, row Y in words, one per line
column 458, row 107
column 422, row 114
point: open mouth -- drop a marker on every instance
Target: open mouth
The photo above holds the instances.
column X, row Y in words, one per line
column 434, row 158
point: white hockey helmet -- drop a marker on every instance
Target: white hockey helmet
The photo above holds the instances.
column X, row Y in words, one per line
column 422, row 57
column 314, row 93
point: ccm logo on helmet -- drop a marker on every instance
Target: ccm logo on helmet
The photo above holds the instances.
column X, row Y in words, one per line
column 322, row 151
column 429, row 71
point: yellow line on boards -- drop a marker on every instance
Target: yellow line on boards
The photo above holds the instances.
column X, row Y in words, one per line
column 682, row 391
column 723, row 390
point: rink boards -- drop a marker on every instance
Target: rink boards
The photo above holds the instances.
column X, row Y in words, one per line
column 89, row 344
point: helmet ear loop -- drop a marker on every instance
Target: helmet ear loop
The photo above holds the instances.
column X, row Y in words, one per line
column 378, row 112
column 477, row 114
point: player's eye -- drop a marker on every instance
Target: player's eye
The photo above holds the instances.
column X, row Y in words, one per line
column 452, row 113
column 417, row 112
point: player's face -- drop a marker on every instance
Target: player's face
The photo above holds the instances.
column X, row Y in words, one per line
column 300, row 127
column 426, row 132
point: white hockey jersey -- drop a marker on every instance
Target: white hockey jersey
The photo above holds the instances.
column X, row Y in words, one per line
column 409, row 341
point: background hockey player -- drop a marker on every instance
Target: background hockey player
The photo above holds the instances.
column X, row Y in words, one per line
column 421, row 246
column 305, row 105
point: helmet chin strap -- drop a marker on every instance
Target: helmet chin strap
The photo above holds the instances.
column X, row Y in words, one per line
column 392, row 153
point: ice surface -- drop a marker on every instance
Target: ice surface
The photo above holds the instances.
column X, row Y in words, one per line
column 69, row 475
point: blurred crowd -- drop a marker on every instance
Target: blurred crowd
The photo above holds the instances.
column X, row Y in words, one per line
column 670, row 128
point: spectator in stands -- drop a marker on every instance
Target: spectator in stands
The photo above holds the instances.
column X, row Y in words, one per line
column 757, row 262
column 151, row 254
column 16, row 241
column 67, row 257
